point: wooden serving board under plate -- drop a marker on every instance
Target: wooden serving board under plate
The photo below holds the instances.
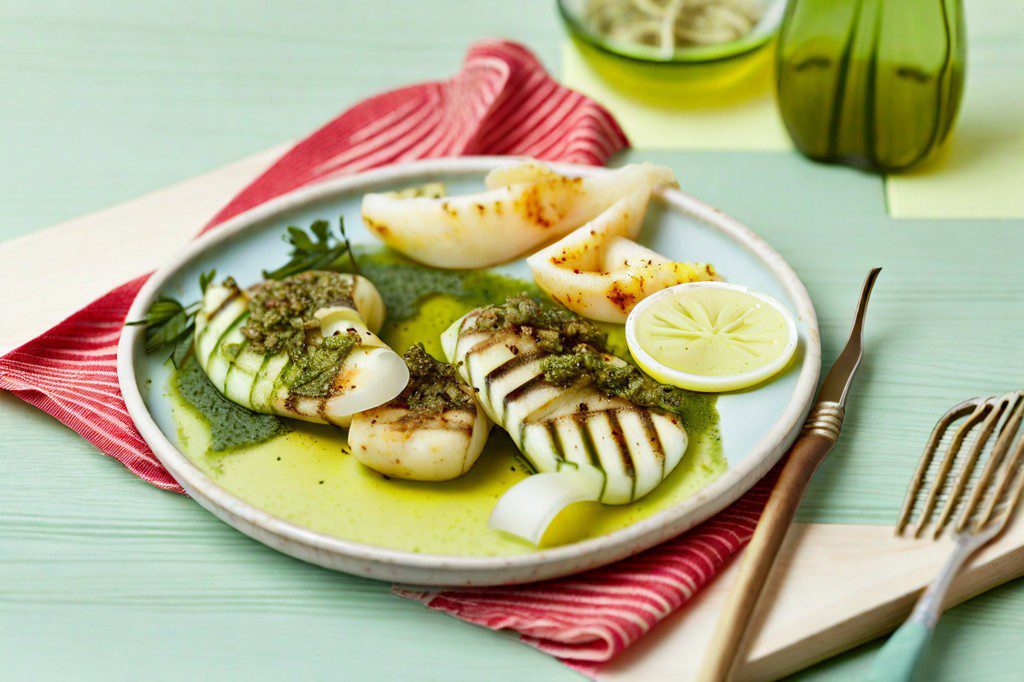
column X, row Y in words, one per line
column 837, row 585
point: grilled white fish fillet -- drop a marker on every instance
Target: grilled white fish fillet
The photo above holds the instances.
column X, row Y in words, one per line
column 584, row 444
column 525, row 205
column 433, row 431
column 400, row 443
column 599, row 272
column 370, row 375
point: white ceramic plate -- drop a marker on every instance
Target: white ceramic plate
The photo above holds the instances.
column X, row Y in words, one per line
column 757, row 425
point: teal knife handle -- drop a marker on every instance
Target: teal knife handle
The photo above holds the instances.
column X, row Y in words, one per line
column 898, row 659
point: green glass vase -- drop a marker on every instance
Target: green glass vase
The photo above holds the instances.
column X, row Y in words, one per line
column 870, row 83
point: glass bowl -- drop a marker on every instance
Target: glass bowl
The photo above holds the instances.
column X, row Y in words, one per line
column 763, row 31
column 645, row 71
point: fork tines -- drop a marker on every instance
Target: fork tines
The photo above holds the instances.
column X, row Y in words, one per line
column 1001, row 482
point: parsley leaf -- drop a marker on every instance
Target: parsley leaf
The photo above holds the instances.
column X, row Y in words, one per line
column 170, row 325
column 321, row 250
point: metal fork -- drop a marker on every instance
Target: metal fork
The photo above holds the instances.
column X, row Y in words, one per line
column 991, row 499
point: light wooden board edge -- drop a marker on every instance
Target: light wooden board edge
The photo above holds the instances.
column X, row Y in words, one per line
column 68, row 265
column 801, row 622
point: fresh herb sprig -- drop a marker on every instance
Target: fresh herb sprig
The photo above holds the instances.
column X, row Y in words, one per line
column 170, row 324
column 320, row 251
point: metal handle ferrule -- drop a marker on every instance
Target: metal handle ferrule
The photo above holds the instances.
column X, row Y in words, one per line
column 825, row 420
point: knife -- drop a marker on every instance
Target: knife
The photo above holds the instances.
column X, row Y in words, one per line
column 819, row 435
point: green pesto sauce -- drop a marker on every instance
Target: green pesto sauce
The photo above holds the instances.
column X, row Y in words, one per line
column 433, row 387
column 314, row 370
column 626, row 381
column 404, row 285
column 282, row 319
column 308, row 477
column 554, row 328
column 281, row 312
column 231, row 426
column 580, row 349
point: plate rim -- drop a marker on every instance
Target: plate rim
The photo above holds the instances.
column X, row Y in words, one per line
column 442, row 569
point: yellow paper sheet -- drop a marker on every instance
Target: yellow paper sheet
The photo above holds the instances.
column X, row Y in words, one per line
column 980, row 174
column 698, row 114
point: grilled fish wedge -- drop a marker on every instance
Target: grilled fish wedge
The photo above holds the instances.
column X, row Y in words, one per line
column 525, row 205
column 599, row 272
column 433, row 431
column 371, row 374
column 584, row 444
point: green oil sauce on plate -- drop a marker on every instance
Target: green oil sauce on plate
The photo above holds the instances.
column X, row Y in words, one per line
column 308, row 477
column 231, row 426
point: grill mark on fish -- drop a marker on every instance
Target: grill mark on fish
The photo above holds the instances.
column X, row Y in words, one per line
column 556, row 440
column 239, row 321
column 511, row 365
column 223, row 304
column 455, row 419
column 583, row 421
column 653, row 438
column 489, row 341
column 260, row 375
column 232, row 364
column 543, row 411
column 465, row 356
column 518, row 392
column 500, row 371
column 626, row 455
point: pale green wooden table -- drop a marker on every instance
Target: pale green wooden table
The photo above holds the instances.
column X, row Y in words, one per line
column 102, row 576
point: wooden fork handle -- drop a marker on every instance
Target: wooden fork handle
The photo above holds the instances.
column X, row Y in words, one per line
column 803, row 458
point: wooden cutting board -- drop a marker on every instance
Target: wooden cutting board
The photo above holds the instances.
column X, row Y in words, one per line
column 836, row 586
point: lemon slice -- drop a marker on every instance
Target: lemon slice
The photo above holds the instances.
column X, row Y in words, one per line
column 711, row 336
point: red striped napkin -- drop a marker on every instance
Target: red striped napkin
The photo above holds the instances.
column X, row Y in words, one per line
column 501, row 102
column 588, row 619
